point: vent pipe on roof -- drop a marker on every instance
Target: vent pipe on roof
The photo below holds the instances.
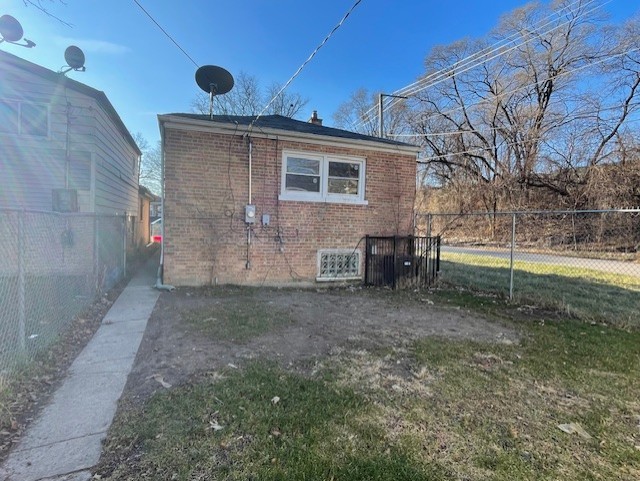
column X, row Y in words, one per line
column 314, row 118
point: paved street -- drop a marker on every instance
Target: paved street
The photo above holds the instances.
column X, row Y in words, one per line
column 617, row 267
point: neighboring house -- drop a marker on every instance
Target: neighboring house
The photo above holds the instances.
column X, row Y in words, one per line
column 277, row 202
column 156, row 209
column 143, row 228
column 63, row 146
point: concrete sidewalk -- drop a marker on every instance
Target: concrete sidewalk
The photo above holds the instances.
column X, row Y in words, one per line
column 65, row 441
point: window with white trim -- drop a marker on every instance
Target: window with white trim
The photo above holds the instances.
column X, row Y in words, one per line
column 24, row 118
column 322, row 178
column 338, row 264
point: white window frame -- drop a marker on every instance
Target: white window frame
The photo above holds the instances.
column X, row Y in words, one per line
column 323, row 195
column 334, row 278
column 20, row 132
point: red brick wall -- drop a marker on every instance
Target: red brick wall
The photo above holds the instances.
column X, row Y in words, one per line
column 206, row 185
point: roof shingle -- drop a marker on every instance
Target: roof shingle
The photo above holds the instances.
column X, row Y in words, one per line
column 285, row 123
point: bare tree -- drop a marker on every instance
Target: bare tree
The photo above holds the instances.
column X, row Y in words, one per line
column 535, row 114
column 38, row 4
column 360, row 114
column 150, row 174
column 247, row 98
column 286, row 104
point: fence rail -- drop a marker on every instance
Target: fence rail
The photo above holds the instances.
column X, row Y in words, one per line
column 584, row 262
column 51, row 267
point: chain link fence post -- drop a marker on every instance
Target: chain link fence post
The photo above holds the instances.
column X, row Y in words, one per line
column 513, row 247
column 124, row 245
column 22, row 301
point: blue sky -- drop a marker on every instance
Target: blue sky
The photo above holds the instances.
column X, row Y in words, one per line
column 381, row 46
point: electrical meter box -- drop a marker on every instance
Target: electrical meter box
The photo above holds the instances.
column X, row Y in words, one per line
column 250, row 214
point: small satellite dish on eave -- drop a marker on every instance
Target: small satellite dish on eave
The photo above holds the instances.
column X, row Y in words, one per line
column 10, row 29
column 214, row 81
column 74, row 57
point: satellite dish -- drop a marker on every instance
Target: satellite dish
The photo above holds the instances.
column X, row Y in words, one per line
column 74, row 57
column 10, row 29
column 215, row 81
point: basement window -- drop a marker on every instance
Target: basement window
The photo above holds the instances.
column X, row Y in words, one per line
column 338, row 265
column 322, row 178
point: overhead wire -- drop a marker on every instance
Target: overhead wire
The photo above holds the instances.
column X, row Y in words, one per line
column 476, row 59
column 532, row 36
column 445, row 74
column 166, row 33
column 304, row 64
column 424, row 160
column 496, row 45
column 568, row 72
column 582, row 116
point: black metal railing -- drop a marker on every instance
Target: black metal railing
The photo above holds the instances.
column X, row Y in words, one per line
column 401, row 262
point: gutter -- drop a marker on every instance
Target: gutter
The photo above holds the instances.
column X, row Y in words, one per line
column 159, row 278
column 183, row 123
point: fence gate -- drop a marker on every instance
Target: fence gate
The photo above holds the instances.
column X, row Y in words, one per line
column 400, row 262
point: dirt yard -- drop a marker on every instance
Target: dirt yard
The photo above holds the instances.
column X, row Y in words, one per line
column 189, row 334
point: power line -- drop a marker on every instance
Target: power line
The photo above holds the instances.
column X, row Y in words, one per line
column 468, row 62
column 493, row 147
column 581, row 116
column 496, row 46
column 453, row 73
column 554, row 77
column 313, row 54
column 166, row 33
column 443, row 75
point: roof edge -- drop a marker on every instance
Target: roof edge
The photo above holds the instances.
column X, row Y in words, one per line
column 98, row 95
column 214, row 126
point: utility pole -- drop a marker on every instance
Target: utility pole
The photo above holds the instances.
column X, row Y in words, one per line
column 381, row 111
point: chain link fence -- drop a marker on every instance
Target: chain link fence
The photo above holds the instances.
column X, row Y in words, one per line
column 585, row 263
column 52, row 266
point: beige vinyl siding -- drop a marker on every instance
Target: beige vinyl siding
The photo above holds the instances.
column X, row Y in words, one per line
column 116, row 181
column 31, row 166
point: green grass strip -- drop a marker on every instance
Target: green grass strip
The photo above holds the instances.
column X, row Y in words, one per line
column 587, row 294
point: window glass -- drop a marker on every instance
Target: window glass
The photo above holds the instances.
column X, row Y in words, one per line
column 34, row 119
column 322, row 178
column 304, row 183
column 347, row 170
column 303, row 175
column 297, row 165
column 8, row 117
column 343, row 186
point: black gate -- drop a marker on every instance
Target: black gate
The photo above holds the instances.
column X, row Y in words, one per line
column 401, row 261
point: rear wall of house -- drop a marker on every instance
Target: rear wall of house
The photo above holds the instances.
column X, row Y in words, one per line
column 207, row 240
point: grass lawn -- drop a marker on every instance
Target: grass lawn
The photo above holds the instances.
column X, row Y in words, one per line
column 434, row 409
column 586, row 294
column 236, row 322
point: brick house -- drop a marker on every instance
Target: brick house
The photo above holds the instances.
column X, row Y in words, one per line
column 278, row 202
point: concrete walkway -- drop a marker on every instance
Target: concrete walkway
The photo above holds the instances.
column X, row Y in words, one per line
column 65, row 441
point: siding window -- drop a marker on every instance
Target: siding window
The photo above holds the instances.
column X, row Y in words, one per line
column 338, row 264
column 9, row 115
column 322, row 178
column 34, row 119
column 24, row 118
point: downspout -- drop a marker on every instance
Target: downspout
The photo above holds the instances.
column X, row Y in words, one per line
column 159, row 285
column 250, row 166
column 248, row 264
